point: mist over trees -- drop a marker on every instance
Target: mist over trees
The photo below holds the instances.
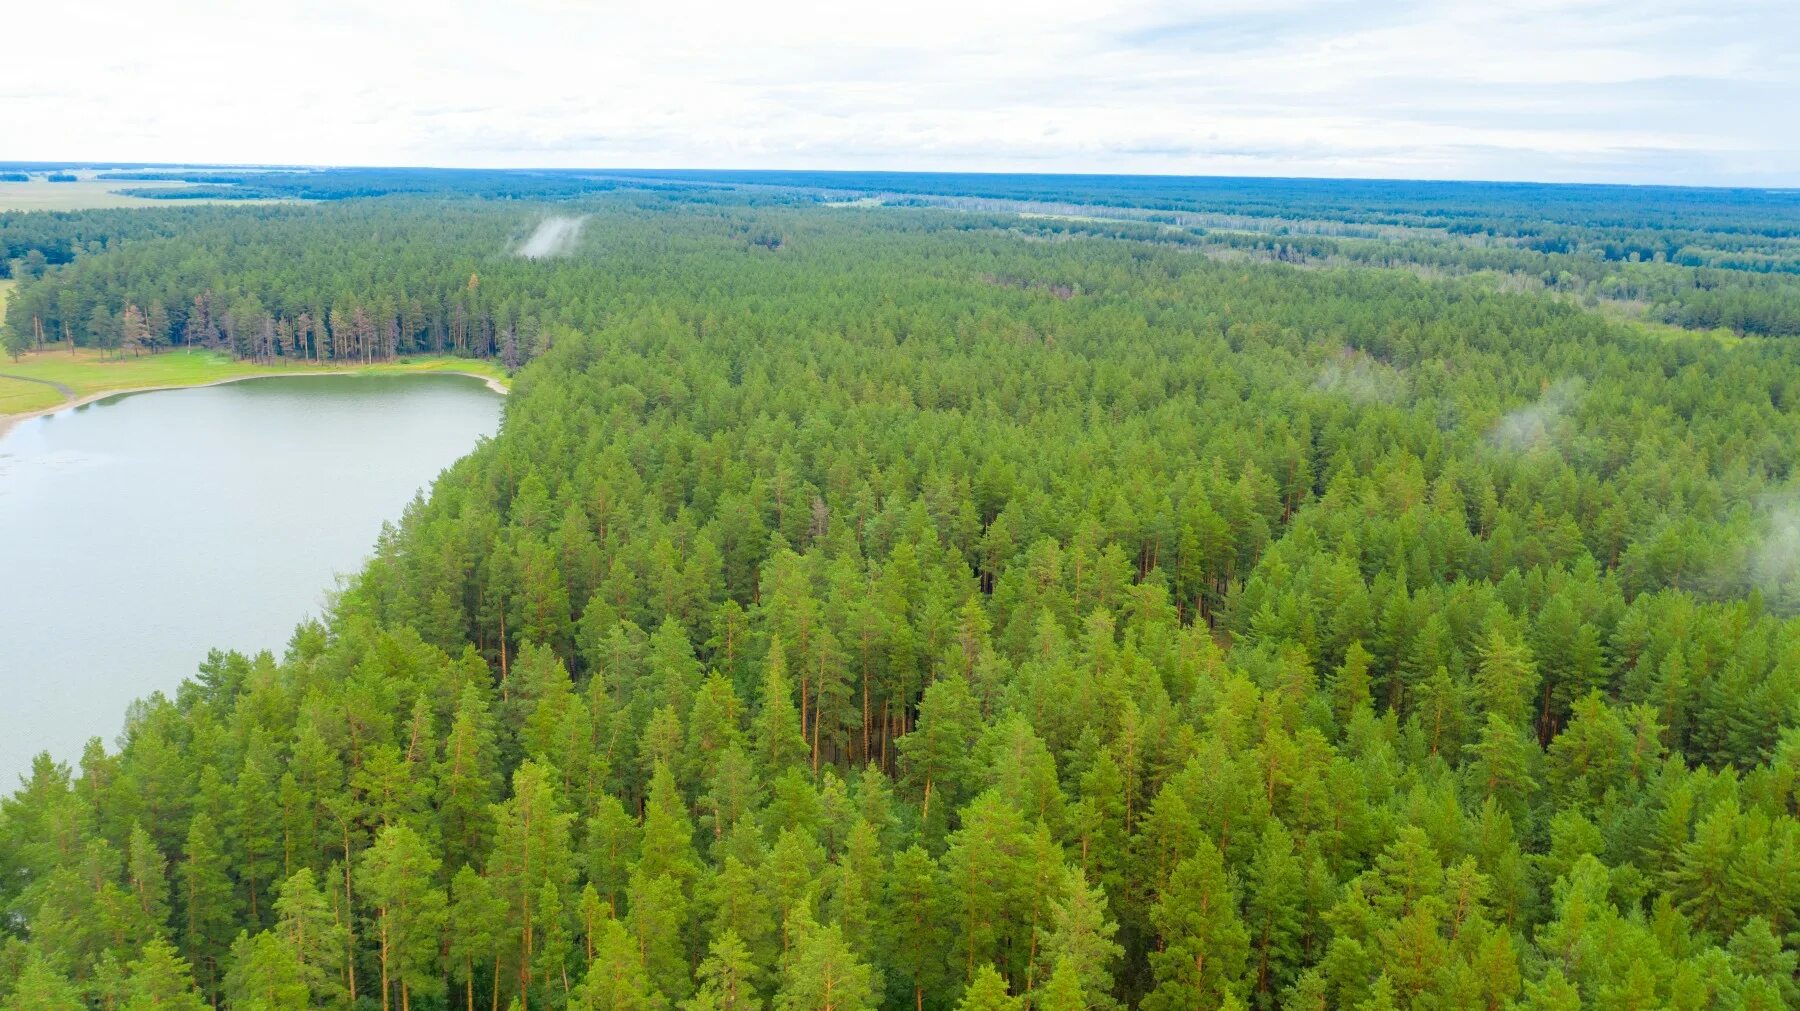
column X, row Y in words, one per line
column 916, row 608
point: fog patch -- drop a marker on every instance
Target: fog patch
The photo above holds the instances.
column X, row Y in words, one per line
column 1541, row 423
column 1360, row 378
column 1772, row 558
column 553, row 237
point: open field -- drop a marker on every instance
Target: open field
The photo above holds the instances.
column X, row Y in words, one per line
column 87, row 374
column 18, row 396
column 86, row 194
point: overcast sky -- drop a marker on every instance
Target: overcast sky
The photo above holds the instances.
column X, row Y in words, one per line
column 1683, row 91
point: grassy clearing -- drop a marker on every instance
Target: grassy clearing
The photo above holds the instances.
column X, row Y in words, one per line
column 1669, row 332
column 89, row 373
column 87, row 194
column 38, row 195
column 19, row 397
column 441, row 363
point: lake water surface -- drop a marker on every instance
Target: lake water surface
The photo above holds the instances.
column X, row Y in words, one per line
column 140, row 531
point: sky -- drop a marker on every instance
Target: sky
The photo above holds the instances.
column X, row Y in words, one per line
column 1642, row 91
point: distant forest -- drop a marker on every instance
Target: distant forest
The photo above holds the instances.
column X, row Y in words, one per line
column 941, row 607
column 1692, row 258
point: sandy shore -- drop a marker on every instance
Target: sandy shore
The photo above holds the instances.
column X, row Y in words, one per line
column 7, row 421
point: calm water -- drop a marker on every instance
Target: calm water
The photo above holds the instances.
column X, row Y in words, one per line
column 138, row 532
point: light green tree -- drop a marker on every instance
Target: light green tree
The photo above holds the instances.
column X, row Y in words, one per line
column 397, row 878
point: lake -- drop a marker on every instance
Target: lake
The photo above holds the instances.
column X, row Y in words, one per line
column 139, row 531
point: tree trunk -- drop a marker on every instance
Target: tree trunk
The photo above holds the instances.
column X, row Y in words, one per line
column 816, row 722
column 349, row 920
column 503, row 689
column 525, row 944
column 384, row 960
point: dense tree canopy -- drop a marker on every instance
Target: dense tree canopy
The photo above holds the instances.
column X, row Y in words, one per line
column 891, row 608
column 1696, row 258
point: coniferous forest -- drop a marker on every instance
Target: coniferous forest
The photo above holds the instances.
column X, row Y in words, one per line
column 937, row 607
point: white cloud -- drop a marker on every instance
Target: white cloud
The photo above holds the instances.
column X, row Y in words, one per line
column 1648, row 90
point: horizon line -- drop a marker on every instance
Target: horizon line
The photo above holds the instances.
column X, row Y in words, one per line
column 41, row 165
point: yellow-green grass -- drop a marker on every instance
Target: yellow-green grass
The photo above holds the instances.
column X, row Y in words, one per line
column 86, row 194
column 88, row 373
column 1669, row 332
column 479, row 367
column 20, row 397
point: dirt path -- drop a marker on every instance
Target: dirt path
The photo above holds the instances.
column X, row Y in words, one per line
column 67, row 391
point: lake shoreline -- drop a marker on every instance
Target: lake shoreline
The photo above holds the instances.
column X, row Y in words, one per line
column 219, row 518
column 7, row 421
